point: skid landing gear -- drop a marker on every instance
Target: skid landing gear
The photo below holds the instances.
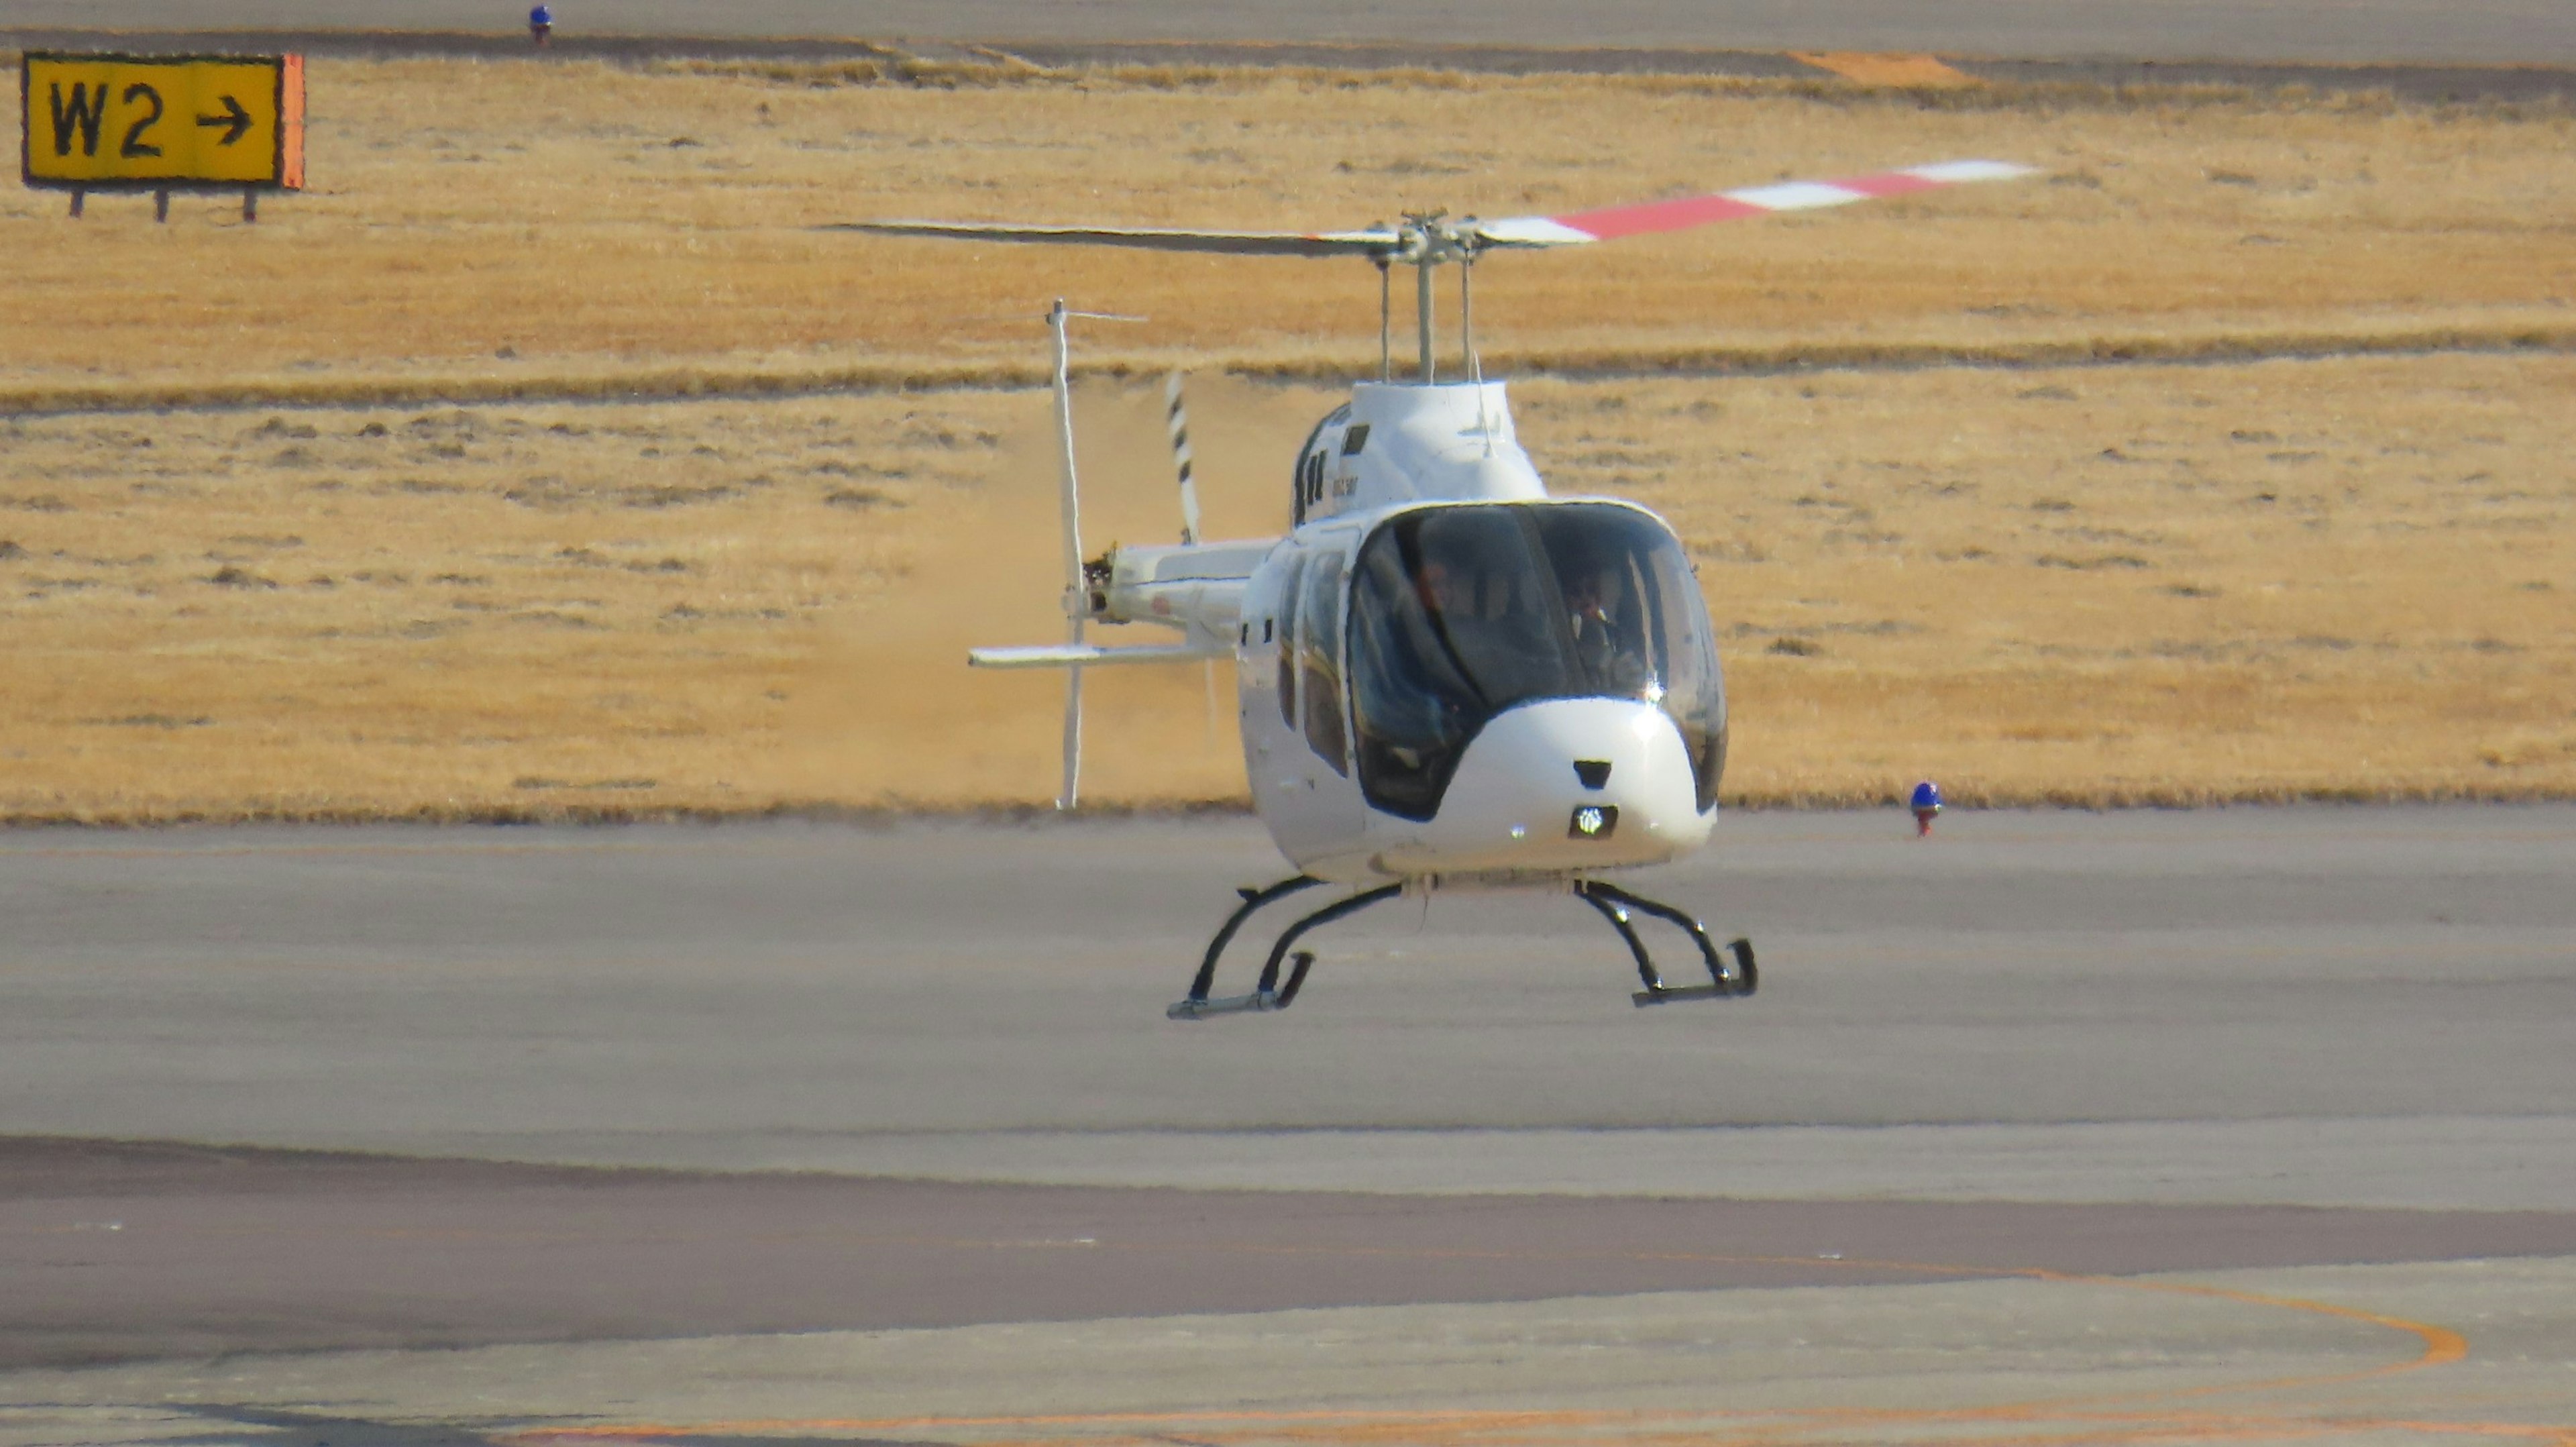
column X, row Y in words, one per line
column 1269, row 994
column 1616, row 904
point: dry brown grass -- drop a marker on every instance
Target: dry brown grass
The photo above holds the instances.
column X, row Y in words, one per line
column 441, row 612
column 2322, row 577
column 2160, row 584
column 2091, row 585
column 590, row 220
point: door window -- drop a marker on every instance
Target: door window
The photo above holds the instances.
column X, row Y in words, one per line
column 1319, row 649
column 1288, row 643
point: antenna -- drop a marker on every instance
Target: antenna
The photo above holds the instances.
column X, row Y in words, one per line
column 1467, row 317
column 1467, row 338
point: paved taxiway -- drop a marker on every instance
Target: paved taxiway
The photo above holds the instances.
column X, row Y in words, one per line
column 2493, row 32
column 2255, row 1124
column 2490, row 50
column 2417, row 80
column 2315, row 1056
column 2293, row 1005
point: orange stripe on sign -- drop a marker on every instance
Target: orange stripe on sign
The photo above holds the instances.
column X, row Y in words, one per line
column 290, row 123
column 1866, row 68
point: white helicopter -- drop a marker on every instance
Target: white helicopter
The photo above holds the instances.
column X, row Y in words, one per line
column 1447, row 679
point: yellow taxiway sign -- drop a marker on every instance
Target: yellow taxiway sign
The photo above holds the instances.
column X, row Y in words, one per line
column 155, row 122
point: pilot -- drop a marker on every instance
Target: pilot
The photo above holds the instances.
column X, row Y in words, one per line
column 1405, row 694
column 1592, row 599
column 1460, row 600
column 1447, row 590
column 1447, row 593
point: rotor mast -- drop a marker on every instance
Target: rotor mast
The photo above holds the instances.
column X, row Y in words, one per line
column 1426, row 240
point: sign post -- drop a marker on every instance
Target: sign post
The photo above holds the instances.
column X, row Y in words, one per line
column 162, row 123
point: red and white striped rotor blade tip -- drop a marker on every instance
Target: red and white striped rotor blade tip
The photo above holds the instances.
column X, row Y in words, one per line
column 1611, row 222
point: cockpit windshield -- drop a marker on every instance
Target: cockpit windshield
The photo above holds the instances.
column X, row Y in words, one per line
column 1458, row 613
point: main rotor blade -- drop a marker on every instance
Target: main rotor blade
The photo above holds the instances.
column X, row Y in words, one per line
column 1241, row 243
column 1611, row 222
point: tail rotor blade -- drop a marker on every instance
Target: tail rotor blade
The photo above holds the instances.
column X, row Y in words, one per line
column 1077, row 603
column 1071, row 794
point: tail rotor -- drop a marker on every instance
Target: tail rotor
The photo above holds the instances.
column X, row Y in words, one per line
column 1077, row 600
column 1077, row 582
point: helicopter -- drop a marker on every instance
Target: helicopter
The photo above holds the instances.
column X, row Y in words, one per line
column 1447, row 679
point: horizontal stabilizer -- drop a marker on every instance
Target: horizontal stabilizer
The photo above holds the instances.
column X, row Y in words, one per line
column 1066, row 655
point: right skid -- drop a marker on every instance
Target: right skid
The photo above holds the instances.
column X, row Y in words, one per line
column 1615, row 905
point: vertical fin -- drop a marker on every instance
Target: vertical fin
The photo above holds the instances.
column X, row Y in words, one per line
column 1179, row 414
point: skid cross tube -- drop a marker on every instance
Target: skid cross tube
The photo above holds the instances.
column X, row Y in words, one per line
column 1615, row 903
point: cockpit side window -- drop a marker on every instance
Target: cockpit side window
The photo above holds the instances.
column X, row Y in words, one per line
column 1306, row 479
column 1319, row 646
column 1287, row 610
column 1694, row 689
column 1414, row 703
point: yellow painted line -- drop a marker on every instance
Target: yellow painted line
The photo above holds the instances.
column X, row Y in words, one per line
column 1869, row 68
column 2436, row 1346
column 1594, row 1427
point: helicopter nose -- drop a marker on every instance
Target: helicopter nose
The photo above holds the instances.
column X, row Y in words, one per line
column 1570, row 784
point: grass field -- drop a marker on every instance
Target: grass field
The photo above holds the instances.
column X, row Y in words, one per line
column 2343, row 576
column 2168, row 584
column 586, row 220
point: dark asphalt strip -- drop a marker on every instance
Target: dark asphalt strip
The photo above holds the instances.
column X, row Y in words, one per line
column 114, row 1251
column 2440, row 84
